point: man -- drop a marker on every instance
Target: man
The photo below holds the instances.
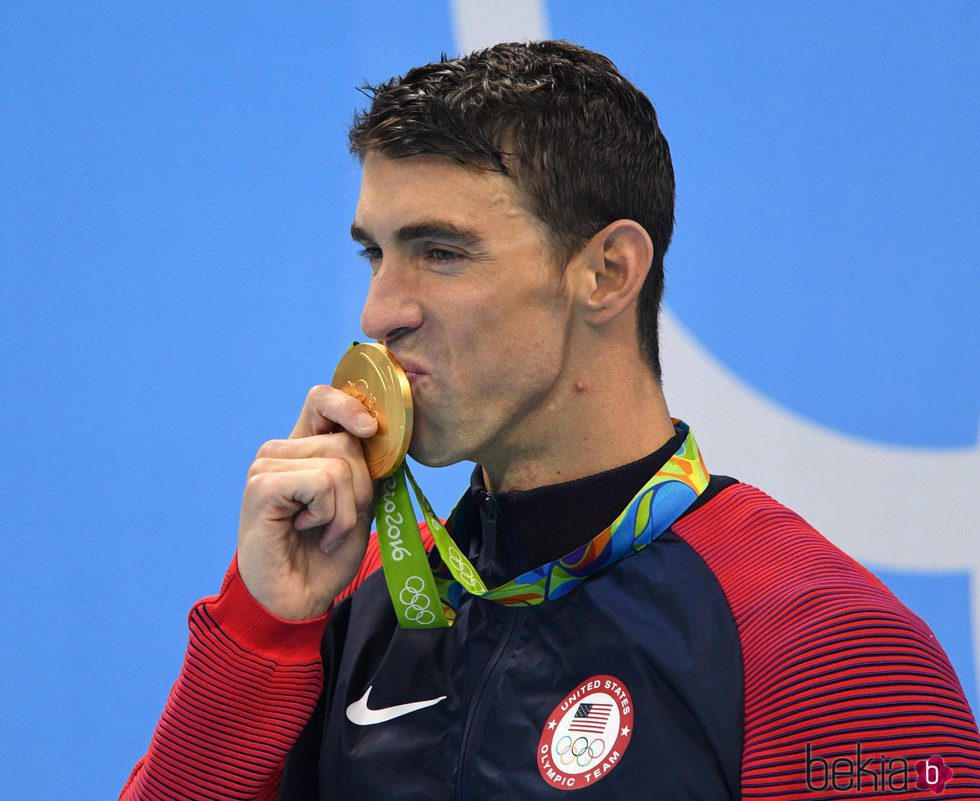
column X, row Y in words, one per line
column 515, row 209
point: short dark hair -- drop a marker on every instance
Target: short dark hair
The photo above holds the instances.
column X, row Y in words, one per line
column 581, row 143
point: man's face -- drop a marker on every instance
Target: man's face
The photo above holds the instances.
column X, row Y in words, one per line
column 465, row 294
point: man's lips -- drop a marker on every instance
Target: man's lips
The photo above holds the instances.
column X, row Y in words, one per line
column 413, row 370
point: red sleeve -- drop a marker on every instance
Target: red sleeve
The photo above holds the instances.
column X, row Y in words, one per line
column 847, row 693
column 248, row 685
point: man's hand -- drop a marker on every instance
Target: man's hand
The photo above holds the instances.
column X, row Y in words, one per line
column 307, row 508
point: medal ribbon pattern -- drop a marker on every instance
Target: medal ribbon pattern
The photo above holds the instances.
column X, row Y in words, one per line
column 428, row 598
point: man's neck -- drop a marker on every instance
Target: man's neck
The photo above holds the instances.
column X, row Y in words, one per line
column 594, row 423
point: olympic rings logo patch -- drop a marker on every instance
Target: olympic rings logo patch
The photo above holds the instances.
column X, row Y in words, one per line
column 416, row 602
column 586, row 734
column 579, row 751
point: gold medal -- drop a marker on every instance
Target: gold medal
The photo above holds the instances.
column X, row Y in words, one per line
column 370, row 373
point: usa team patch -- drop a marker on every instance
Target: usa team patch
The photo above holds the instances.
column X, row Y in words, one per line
column 587, row 734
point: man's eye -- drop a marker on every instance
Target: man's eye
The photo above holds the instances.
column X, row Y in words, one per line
column 370, row 253
column 441, row 255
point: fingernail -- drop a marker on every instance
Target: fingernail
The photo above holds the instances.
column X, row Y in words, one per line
column 364, row 420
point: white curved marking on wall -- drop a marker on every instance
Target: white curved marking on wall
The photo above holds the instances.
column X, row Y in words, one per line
column 892, row 506
column 478, row 23
column 886, row 505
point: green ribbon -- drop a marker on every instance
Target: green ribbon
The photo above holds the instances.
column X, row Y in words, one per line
column 403, row 557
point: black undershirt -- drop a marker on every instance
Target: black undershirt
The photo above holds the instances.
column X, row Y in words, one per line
column 524, row 529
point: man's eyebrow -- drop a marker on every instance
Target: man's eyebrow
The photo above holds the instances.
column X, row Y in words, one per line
column 438, row 230
column 358, row 234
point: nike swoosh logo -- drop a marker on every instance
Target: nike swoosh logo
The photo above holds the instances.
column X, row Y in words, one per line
column 360, row 714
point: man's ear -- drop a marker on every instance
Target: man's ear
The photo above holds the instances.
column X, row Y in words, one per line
column 611, row 269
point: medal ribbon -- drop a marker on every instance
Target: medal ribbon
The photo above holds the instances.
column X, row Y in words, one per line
column 427, row 598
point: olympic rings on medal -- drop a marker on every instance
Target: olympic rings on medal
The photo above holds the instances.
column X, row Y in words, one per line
column 416, row 602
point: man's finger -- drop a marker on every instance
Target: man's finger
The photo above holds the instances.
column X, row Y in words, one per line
column 353, row 474
column 278, row 495
column 328, row 409
column 267, row 465
column 339, row 445
column 296, row 454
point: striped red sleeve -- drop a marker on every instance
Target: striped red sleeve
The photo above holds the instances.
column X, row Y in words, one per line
column 847, row 693
column 247, row 687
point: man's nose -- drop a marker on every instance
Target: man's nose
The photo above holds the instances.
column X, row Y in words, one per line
column 392, row 307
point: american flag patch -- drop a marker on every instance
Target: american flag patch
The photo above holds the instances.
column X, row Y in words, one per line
column 591, row 718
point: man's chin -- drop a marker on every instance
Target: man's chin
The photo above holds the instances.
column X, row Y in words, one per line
column 431, row 455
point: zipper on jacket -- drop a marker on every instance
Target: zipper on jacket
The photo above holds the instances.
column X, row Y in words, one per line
column 488, row 523
column 475, row 704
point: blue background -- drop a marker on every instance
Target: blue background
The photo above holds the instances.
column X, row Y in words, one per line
column 175, row 195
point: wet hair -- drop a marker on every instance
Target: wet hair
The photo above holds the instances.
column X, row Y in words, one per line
column 581, row 143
